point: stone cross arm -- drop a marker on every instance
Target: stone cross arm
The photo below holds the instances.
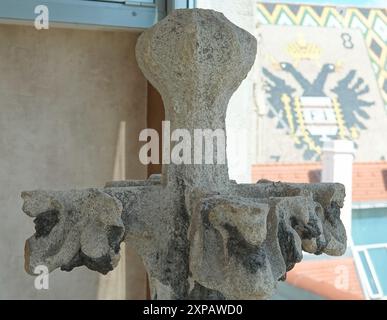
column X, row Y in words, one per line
column 86, row 227
column 255, row 234
column 200, row 235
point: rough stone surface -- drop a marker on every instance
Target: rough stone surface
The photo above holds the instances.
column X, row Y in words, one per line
column 201, row 236
column 73, row 228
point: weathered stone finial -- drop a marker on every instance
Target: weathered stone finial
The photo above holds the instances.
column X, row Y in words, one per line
column 200, row 235
column 196, row 59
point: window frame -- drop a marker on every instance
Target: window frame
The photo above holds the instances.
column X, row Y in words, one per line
column 110, row 13
column 366, row 267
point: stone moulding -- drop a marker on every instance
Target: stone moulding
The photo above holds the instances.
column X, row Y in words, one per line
column 200, row 235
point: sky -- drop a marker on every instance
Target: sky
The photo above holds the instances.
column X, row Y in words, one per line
column 349, row 3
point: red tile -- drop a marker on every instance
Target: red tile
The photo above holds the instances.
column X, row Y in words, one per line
column 369, row 178
column 332, row 278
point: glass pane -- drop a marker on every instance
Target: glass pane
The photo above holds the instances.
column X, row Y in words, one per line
column 137, row 1
column 368, row 273
column 128, row 1
column 379, row 259
column 369, row 226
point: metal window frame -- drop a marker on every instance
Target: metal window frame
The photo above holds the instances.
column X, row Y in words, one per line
column 182, row 4
column 137, row 14
column 357, row 250
column 369, row 205
column 132, row 14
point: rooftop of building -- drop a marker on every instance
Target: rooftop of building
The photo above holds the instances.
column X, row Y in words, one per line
column 369, row 178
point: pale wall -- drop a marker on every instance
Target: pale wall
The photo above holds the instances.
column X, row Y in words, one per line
column 63, row 93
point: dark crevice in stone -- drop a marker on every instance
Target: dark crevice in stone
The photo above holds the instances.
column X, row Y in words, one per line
column 252, row 257
column 289, row 251
column 115, row 235
column 321, row 245
column 306, row 231
column 101, row 264
column 283, row 278
column 198, row 292
column 45, row 221
column 332, row 213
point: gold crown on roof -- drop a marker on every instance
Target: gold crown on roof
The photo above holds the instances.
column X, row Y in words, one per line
column 302, row 50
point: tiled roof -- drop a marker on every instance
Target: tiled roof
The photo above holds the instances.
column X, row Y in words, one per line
column 334, row 279
column 370, row 181
column 369, row 178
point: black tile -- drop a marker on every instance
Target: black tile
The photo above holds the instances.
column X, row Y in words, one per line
column 376, row 48
column 318, row 9
column 365, row 12
column 269, row 6
column 294, row 8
